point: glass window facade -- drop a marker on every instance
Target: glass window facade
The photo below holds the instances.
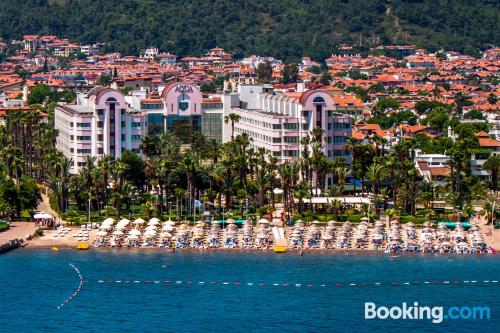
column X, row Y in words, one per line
column 155, row 122
column 211, row 125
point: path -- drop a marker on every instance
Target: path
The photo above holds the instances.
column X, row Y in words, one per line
column 19, row 230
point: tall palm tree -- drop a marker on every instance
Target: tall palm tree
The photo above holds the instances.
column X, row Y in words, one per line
column 492, row 165
column 376, row 173
column 233, row 118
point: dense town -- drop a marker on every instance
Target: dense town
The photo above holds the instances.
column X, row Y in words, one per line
column 398, row 132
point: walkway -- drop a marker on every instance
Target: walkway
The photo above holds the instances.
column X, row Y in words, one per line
column 19, row 230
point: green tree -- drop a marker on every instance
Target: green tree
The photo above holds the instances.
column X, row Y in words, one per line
column 290, row 73
column 264, row 72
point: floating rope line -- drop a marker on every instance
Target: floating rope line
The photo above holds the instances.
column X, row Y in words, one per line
column 77, row 289
column 307, row 285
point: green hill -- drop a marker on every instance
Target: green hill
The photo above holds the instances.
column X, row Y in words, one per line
column 283, row 28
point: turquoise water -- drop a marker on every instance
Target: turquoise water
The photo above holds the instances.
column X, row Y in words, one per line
column 34, row 282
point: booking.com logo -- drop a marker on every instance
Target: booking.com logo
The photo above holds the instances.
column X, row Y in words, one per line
column 435, row 313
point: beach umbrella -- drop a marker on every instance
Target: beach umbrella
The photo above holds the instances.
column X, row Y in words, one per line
column 124, row 221
column 165, row 235
column 134, row 232
column 167, row 228
column 139, row 221
column 315, row 222
column 150, row 232
column 133, row 237
column 151, row 227
column 365, row 219
column 410, row 224
column 120, row 227
column 263, row 221
column 169, row 222
column 118, row 233
column 104, row 227
column 154, row 220
column 102, row 233
column 109, row 220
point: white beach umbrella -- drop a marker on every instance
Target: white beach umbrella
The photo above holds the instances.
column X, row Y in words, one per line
column 134, row 232
column 167, row 228
column 263, row 221
column 109, row 220
column 151, row 227
column 133, row 237
column 165, row 235
column 154, row 220
column 102, row 233
column 169, row 222
column 139, row 221
column 124, row 221
column 117, row 233
column 104, row 227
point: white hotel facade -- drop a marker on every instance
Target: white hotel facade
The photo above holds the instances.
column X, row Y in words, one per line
column 104, row 122
column 101, row 123
column 278, row 122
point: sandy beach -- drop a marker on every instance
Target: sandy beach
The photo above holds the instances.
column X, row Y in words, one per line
column 51, row 238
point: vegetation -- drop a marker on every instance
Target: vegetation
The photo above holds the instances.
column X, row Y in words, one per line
column 286, row 29
column 4, row 226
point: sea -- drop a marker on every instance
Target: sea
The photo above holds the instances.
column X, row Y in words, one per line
column 153, row 291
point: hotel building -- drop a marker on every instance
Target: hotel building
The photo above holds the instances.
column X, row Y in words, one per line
column 180, row 109
column 278, row 122
column 101, row 123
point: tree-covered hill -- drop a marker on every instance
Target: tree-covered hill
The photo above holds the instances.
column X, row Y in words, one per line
column 283, row 28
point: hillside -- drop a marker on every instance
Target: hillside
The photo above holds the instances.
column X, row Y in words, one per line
column 283, row 28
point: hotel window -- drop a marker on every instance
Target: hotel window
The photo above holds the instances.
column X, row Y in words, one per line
column 83, row 125
column 71, row 124
column 83, row 138
column 290, row 126
column 276, row 140
column 136, row 138
column 339, row 139
column 100, row 137
column 123, row 124
column 71, row 137
column 83, row 151
column 291, row 153
column 291, row 139
column 276, row 153
column 100, row 151
column 276, row 126
column 124, row 137
column 123, row 111
column 100, row 112
column 136, row 124
column 99, row 124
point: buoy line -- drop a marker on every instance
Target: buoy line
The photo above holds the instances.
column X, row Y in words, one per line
column 77, row 289
column 308, row 285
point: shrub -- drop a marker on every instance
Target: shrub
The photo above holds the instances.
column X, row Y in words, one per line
column 38, row 232
column 4, row 226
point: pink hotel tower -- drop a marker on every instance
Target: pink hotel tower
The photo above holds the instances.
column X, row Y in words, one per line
column 101, row 123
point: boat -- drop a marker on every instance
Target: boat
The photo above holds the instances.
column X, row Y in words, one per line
column 55, row 249
column 279, row 249
column 82, row 246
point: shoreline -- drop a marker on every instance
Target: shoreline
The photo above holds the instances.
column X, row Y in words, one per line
column 252, row 251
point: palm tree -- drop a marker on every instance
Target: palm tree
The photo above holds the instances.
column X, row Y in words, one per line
column 233, row 118
column 376, row 173
column 301, row 191
column 492, row 165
